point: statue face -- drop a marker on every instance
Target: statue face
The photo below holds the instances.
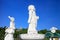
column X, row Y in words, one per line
column 31, row 8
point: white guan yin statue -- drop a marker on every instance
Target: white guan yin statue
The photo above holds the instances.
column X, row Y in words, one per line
column 32, row 20
column 32, row 33
column 10, row 31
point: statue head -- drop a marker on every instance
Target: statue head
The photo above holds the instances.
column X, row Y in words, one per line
column 53, row 29
column 11, row 18
column 31, row 8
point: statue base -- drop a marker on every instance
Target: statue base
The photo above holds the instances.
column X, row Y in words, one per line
column 32, row 36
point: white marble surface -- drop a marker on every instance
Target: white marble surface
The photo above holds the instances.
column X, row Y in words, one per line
column 32, row 36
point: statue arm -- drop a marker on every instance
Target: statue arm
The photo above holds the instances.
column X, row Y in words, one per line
column 11, row 18
column 37, row 17
column 30, row 16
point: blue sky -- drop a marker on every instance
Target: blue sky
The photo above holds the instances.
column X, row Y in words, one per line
column 47, row 10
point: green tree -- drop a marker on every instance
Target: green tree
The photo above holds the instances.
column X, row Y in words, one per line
column 2, row 32
column 58, row 31
column 42, row 31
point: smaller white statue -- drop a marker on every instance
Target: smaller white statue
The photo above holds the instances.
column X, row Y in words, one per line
column 53, row 29
column 10, row 31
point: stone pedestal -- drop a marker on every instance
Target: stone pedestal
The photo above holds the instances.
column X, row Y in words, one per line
column 32, row 36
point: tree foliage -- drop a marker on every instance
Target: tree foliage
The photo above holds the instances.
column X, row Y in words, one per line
column 42, row 31
column 2, row 32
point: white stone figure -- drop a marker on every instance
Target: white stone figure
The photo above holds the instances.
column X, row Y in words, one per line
column 10, row 31
column 32, row 32
column 32, row 20
column 53, row 29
